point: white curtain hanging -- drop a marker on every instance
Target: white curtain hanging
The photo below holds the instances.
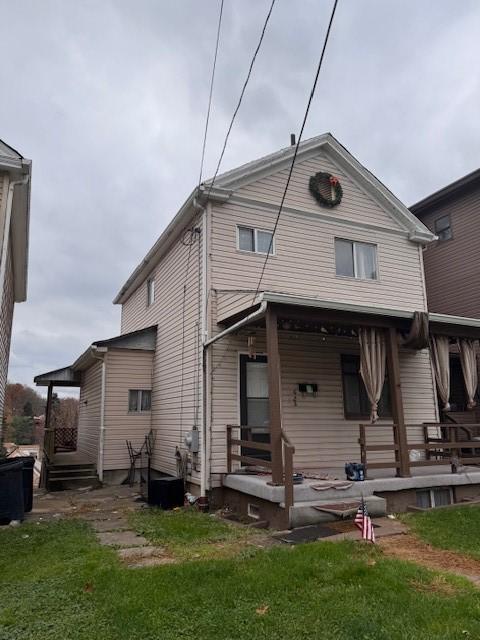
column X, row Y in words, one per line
column 372, row 365
column 440, row 350
column 468, row 360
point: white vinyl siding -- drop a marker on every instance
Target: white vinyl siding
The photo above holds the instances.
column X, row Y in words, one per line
column 126, row 369
column 89, row 413
column 171, row 418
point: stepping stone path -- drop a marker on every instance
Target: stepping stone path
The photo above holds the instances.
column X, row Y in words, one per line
column 113, row 530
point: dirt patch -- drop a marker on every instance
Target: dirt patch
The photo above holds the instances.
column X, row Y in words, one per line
column 409, row 547
column 438, row 585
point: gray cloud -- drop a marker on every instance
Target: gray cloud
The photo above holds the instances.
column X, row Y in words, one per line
column 108, row 99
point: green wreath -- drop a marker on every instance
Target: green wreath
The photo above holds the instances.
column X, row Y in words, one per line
column 321, row 186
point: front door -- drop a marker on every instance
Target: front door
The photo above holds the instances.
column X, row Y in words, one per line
column 254, row 406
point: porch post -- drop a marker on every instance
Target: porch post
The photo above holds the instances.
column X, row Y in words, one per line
column 393, row 363
column 49, row 438
column 275, row 415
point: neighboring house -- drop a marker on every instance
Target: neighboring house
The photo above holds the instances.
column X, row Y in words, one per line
column 281, row 356
column 15, row 175
column 452, row 262
column 452, row 266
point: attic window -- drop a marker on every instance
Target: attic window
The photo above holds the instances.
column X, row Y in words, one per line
column 443, row 228
column 150, row 291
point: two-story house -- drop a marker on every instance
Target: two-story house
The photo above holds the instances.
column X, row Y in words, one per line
column 15, row 174
column 254, row 357
column 452, row 268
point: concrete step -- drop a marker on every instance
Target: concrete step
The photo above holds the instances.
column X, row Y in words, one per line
column 304, row 492
column 304, row 513
column 72, row 473
column 62, row 483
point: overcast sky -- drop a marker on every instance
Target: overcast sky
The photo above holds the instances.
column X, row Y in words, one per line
column 108, row 99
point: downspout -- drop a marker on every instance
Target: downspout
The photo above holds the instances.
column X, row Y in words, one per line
column 6, row 231
column 203, row 451
column 101, row 438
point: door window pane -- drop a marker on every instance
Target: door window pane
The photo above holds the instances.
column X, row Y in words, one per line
column 257, row 412
column 133, row 400
column 257, row 380
column 246, row 239
column 263, row 242
column 344, row 258
column 365, row 260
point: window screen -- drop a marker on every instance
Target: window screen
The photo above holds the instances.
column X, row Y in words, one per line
column 133, row 400
column 344, row 258
column 264, row 238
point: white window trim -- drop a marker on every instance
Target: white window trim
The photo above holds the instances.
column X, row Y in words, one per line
column 355, row 277
column 139, row 401
column 150, row 291
column 255, row 231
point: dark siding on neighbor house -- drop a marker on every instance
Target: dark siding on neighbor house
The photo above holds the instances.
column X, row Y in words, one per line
column 452, row 267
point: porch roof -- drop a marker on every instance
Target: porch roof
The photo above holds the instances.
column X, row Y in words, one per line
column 143, row 339
column 455, row 326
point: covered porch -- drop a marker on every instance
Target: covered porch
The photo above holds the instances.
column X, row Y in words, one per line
column 311, row 349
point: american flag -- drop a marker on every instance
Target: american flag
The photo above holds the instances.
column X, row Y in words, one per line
column 364, row 523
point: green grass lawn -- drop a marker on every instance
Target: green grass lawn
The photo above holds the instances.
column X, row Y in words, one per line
column 56, row 582
column 187, row 534
column 454, row 528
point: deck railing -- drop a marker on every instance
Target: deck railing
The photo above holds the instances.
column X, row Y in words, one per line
column 447, row 448
column 288, row 450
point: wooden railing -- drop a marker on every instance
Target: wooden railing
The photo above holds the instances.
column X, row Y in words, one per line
column 288, row 451
column 448, row 448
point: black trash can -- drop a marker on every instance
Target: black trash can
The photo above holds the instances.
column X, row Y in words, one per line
column 27, row 478
column 11, row 491
column 167, row 492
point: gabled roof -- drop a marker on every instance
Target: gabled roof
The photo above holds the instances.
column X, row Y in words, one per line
column 229, row 181
column 141, row 340
column 450, row 190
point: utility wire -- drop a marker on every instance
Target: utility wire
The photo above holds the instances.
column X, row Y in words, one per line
column 287, row 184
column 214, row 66
column 265, row 24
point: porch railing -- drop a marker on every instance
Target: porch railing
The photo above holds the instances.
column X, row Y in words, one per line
column 65, row 439
column 288, row 450
column 448, row 448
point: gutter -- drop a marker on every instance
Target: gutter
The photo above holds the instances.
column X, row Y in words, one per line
column 6, row 231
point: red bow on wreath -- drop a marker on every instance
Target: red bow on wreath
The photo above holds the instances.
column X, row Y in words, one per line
column 334, row 181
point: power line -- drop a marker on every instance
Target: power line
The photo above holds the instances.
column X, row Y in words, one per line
column 211, row 93
column 265, row 24
column 312, row 93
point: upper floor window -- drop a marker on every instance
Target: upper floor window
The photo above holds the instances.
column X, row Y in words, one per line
column 139, row 400
column 150, row 291
column 356, row 259
column 255, row 240
column 443, row 228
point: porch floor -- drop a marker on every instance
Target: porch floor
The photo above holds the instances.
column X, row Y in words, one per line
column 422, row 477
column 70, row 457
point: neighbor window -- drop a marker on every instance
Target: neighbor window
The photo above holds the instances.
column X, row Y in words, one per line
column 255, row 240
column 356, row 259
column 443, row 228
column 150, row 291
column 139, row 400
column 355, row 400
